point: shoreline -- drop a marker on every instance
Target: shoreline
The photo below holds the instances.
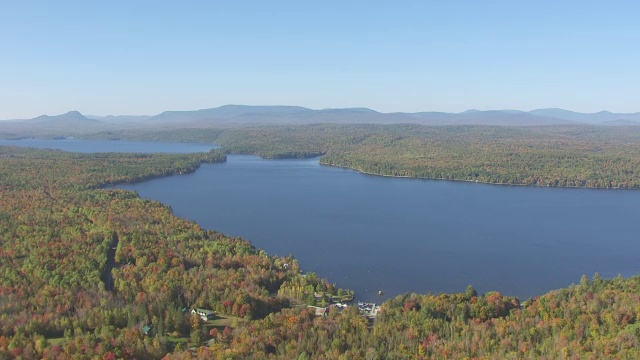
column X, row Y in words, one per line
column 357, row 296
column 471, row 181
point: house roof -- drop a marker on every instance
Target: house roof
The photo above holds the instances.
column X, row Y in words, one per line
column 204, row 311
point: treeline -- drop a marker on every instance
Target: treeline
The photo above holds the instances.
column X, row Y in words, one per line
column 44, row 169
column 558, row 156
column 546, row 156
column 310, row 289
column 593, row 320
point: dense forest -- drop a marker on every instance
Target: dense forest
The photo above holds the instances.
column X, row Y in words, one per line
column 88, row 272
column 559, row 156
column 597, row 319
column 61, row 292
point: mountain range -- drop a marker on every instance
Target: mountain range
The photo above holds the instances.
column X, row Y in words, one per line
column 253, row 115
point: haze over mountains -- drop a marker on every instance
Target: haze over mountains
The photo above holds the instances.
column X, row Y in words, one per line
column 253, row 115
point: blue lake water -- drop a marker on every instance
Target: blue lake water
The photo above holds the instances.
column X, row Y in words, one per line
column 97, row 146
column 372, row 233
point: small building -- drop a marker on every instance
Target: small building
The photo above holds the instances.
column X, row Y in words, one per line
column 204, row 314
column 147, row 330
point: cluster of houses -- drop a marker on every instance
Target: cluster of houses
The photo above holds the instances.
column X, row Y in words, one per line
column 370, row 310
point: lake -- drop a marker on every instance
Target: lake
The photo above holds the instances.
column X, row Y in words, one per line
column 371, row 233
column 96, row 146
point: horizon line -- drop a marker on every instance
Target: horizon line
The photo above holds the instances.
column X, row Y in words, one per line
column 324, row 109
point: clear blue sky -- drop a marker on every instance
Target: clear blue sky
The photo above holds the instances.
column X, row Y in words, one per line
column 144, row 57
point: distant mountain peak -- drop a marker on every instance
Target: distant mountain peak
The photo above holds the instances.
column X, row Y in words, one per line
column 72, row 113
column 71, row 116
column 587, row 118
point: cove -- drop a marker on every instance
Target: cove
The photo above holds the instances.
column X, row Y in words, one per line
column 372, row 233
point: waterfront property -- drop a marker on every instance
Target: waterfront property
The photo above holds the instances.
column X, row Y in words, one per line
column 369, row 310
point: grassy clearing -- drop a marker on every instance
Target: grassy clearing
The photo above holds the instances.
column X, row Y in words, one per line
column 221, row 322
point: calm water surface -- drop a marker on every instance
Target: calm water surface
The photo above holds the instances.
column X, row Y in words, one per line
column 374, row 233
column 96, row 146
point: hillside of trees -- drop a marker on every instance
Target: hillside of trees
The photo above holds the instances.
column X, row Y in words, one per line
column 558, row 156
column 85, row 270
column 61, row 296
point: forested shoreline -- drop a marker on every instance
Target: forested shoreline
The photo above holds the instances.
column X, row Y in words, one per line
column 555, row 156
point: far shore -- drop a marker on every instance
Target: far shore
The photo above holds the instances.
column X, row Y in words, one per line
column 470, row 181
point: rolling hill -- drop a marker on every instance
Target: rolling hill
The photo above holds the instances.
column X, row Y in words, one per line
column 233, row 115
